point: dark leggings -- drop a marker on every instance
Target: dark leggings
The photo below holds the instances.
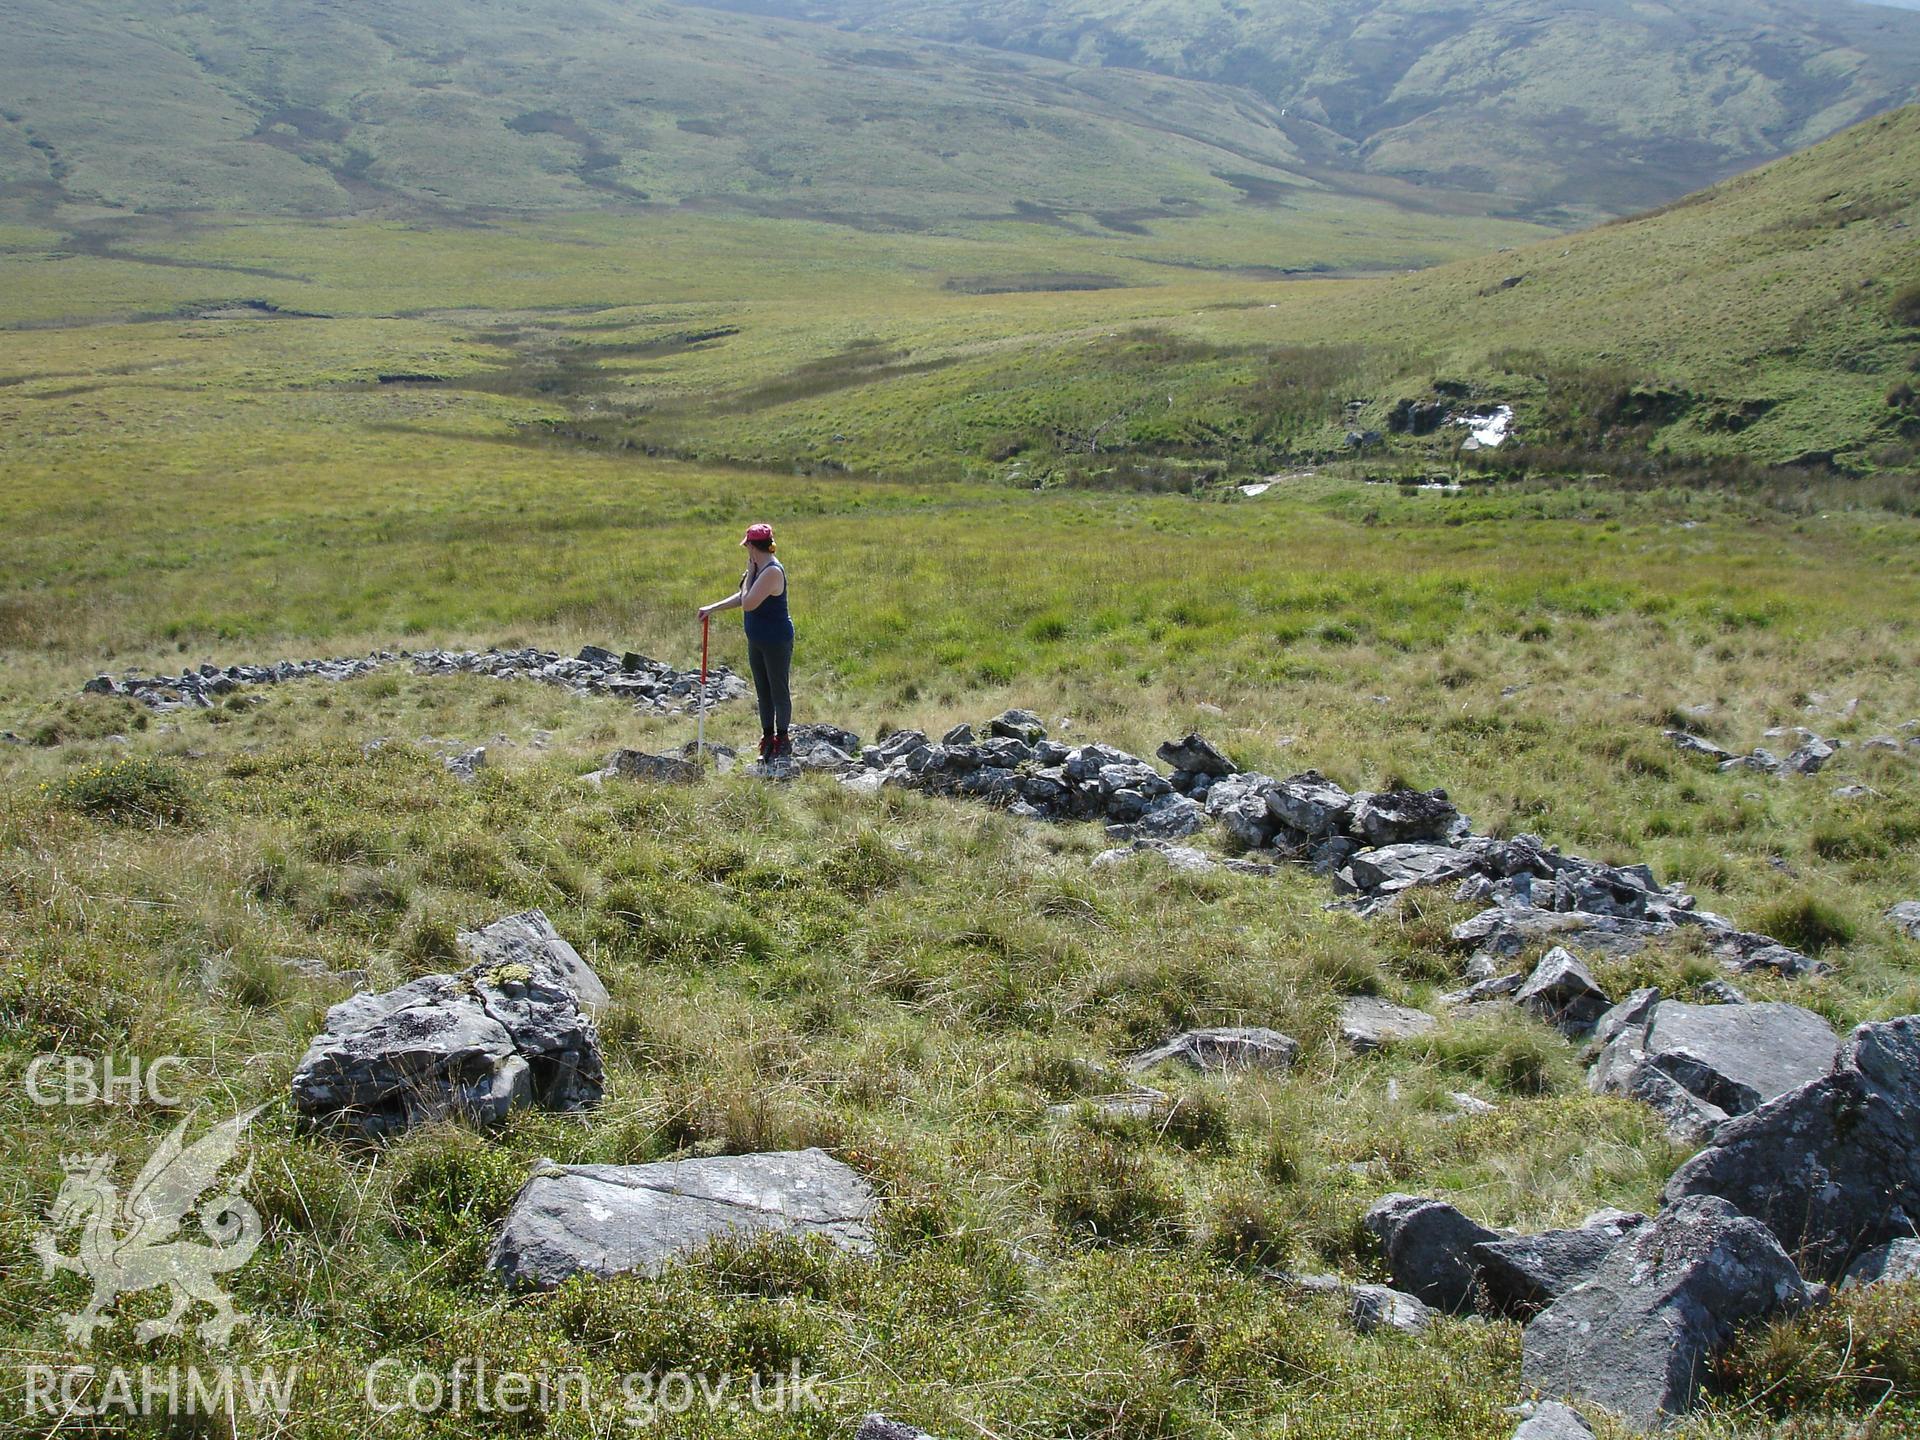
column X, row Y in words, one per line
column 771, row 664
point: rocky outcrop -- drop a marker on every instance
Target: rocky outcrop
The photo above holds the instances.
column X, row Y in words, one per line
column 1700, row 1064
column 1832, row 1167
column 1521, row 1274
column 646, row 684
column 1638, row 1335
column 1428, row 1246
column 1222, row 1048
column 506, row 1032
column 1181, row 858
column 607, row 1220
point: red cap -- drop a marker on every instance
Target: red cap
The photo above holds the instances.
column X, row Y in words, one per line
column 761, row 534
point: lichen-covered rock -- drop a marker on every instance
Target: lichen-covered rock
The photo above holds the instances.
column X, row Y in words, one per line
column 1562, row 991
column 1727, row 1059
column 1890, row 1264
column 1832, row 1167
column 529, row 939
column 1380, row 1307
column 1394, row 817
column 606, row 1220
column 471, row 1046
column 1638, row 1335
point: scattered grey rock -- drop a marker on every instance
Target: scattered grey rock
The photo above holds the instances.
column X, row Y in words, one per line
column 1811, row 757
column 471, row 1046
column 1170, row 817
column 1222, row 1048
column 1395, row 817
column 1723, row 992
column 1310, row 805
column 961, row 734
column 878, row 1427
column 1519, row 1276
column 1563, row 992
column 1906, row 918
column 1142, row 1102
column 1553, row 1421
column 1696, row 745
column 1182, row 858
column 1393, row 868
column 638, row 765
column 607, row 1220
column 1428, row 1244
column 1380, row 1307
column 1470, row 1104
column 1832, row 1166
column 1239, row 804
column 647, row 684
column 1308, row 1284
column 466, row 765
column 1018, row 725
column 1887, row 1264
column 1370, row 1023
column 1638, row 1335
column 1197, row 756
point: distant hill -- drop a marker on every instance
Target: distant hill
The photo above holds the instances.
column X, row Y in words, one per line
column 1774, row 317
column 1564, row 108
column 917, row 113
column 447, row 109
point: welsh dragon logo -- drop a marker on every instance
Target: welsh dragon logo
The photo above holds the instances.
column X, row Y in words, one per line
column 127, row 1245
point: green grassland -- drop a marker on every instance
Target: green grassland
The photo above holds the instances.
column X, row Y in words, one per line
column 908, row 982
column 1767, row 320
column 911, row 982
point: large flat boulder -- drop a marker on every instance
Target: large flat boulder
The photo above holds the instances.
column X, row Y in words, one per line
column 607, row 1220
column 1429, row 1248
column 1638, row 1335
column 1832, row 1167
column 1369, row 1023
column 1722, row 1060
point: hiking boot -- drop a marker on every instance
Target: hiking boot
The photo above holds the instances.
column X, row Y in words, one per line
column 782, row 748
column 766, row 748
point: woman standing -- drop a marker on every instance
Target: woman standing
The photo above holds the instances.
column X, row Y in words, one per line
column 763, row 596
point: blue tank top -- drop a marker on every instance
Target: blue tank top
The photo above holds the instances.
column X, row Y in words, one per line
column 769, row 624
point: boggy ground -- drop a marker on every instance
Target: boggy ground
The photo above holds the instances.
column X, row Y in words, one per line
column 910, row 982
